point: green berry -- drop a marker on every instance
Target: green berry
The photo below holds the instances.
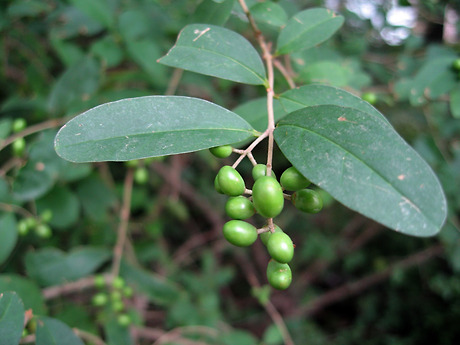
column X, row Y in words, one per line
column 128, row 292
column 267, row 196
column 18, row 146
column 117, row 306
column 280, row 247
column 124, row 320
column 118, row 283
column 266, row 235
column 132, row 163
column 31, row 222
column 456, row 64
column 116, row 296
column 279, row 275
column 100, row 299
column 260, row 170
column 230, row 181
column 216, row 185
column 99, row 281
column 43, row 231
column 369, row 97
column 141, row 175
column 292, row 180
column 23, row 228
column 25, row 333
column 240, row 233
column 239, row 207
column 307, row 200
column 46, row 216
column 221, row 151
column 18, row 125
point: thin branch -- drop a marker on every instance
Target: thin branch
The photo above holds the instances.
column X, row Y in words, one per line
column 285, row 73
column 174, row 81
column 72, row 287
column 89, row 337
column 16, row 209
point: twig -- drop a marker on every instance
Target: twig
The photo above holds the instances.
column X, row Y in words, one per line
column 285, row 73
column 124, row 221
column 88, row 337
column 177, row 333
column 16, row 209
column 71, row 287
column 174, row 81
column 356, row 287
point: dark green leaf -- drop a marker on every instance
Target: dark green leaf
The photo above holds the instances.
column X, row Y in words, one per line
column 28, row 8
column 212, row 12
column 116, row 334
column 309, row 95
column 99, row 10
column 255, row 112
column 54, row 332
column 8, row 235
column 362, row 162
column 64, row 205
column 11, row 318
column 270, row 13
column 51, row 266
column 307, row 29
column 95, row 197
column 215, row 51
column 455, row 102
column 27, row 290
column 147, row 127
column 31, row 183
column 75, row 24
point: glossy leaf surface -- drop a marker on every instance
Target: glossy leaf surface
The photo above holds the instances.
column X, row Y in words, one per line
column 11, row 318
column 307, row 29
column 216, row 51
column 363, row 163
column 147, row 127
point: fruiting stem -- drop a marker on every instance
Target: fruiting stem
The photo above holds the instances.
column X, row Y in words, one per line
column 250, row 148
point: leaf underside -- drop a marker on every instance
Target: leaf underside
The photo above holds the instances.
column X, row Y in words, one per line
column 149, row 126
column 362, row 162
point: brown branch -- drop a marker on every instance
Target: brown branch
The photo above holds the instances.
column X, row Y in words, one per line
column 72, row 287
column 354, row 288
column 88, row 337
column 174, row 81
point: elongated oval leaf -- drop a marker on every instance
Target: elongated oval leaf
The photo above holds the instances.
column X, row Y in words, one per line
column 316, row 94
column 307, row 29
column 147, row 127
column 216, row 51
column 53, row 332
column 11, row 318
column 362, row 162
column 8, row 235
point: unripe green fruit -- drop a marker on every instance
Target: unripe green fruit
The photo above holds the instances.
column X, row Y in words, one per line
column 230, row 181
column 18, row 146
column 132, row 163
column 117, row 305
column 456, row 64
column 100, row 299
column 116, row 296
column 266, row 235
column 240, row 233
column 280, row 247
column 221, row 151
column 124, row 320
column 128, row 291
column 369, row 97
column 239, row 207
column 216, row 185
column 46, row 215
column 23, row 229
column 279, row 275
column 141, row 175
column 31, row 222
column 99, row 281
column 307, row 200
column 18, row 125
column 260, row 170
column 43, row 231
column 267, row 196
column 292, row 180
column 118, row 282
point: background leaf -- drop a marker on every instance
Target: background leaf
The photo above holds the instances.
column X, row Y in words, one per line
column 255, row 112
column 27, row 290
column 51, row 331
column 362, row 162
column 270, row 13
column 307, row 29
column 8, row 235
column 210, row 50
column 147, row 127
column 213, row 12
column 11, row 318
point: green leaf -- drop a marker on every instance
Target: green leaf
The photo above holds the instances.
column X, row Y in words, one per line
column 215, row 51
column 255, row 112
column 95, row 197
column 309, row 95
column 270, row 13
column 307, row 29
column 363, row 163
column 53, row 332
column 11, row 318
column 8, row 236
column 212, row 12
column 63, row 203
column 148, row 127
column 31, row 183
column 455, row 102
column 27, row 290
column 116, row 334
column 51, row 266
column 100, row 10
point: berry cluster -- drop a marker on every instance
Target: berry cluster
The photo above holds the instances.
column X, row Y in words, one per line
column 267, row 199
column 39, row 225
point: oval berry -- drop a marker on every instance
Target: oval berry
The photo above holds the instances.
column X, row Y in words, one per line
column 280, row 247
column 369, row 97
column 18, row 146
column 221, row 151
column 239, row 233
column 230, row 181
column 292, row 180
column 260, row 170
column 307, row 200
column 279, row 275
column 267, row 196
column 18, row 125
column 266, row 235
column 239, row 207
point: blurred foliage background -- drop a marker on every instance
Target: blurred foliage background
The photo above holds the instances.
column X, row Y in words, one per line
column 353, row 280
